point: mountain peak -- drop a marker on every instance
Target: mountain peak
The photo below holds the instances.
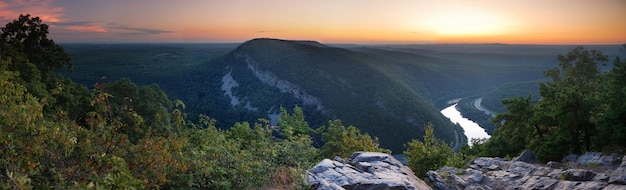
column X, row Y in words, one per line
column 281, row 42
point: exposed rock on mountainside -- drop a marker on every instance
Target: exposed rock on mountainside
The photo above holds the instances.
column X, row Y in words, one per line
column 588, row 171
column 364, row 170
column 283, row 85
column 331, row 83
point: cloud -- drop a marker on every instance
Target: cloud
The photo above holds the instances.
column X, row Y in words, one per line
column 44, row 9
column 113, row 28
column 135, row 30
column 87, row 28
column 267, row 31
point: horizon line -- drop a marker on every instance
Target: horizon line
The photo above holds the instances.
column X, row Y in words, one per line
column 338, row 43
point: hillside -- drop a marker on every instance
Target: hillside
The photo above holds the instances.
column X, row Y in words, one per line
column 375, row 87
column 330, row 82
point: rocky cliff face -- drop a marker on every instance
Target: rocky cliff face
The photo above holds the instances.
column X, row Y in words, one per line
column 364, row 170
column 283, row 85
column 589, row 171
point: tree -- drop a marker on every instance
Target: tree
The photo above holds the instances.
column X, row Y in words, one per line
column 293, row 124
column 28, row 37
column 431, row 154
column 571, row 98
column 612, row 122
column 24, row 41
column 341, row 141
column 574, row 107
column 515, row 130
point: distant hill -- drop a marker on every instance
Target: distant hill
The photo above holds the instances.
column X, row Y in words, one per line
column 335, row 83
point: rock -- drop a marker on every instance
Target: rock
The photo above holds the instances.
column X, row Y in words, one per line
column 580, row 185
column 526, row 156
column 339, row 159
column 601, row 177
column 615, row 187
column 364, row 170
column 537, row 182
column 592, row 171
column 590, row 158
column 570, row 158
column 439, row 180
column 553, row 164
column 493, row 167
column 610, row 160
column 618, row 176
column 578, row 175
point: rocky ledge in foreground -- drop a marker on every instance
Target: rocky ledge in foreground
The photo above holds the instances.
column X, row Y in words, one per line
column 364, row 170
column 588, row 171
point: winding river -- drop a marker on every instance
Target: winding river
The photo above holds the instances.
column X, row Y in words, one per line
column 472, row 130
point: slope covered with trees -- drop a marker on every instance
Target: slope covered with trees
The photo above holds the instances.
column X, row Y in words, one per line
column 580, row 109
column 342, row 84
column 57, row 134
column 371, row 87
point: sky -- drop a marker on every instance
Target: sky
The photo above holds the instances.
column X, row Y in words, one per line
column 329, row 21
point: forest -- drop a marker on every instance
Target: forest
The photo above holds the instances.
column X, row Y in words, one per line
column 56, row 133
column 59, row 134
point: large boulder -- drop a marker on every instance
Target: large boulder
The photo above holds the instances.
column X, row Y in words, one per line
column 592, row 159
column 526, row 156
column 364, row 170
column 618, row 176
column 592, row 171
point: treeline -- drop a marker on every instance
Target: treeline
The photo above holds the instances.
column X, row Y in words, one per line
column 58, row 134
column 582, row 108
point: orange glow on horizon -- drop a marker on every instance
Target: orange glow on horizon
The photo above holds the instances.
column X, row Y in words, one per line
column 350, row 21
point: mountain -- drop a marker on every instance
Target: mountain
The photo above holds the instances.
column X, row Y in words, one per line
column 361, row 89
column 388, row 91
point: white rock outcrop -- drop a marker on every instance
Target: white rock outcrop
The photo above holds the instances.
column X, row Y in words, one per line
column 364, row 170
column 590, row 171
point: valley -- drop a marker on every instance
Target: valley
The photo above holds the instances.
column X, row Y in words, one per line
column 387, row 91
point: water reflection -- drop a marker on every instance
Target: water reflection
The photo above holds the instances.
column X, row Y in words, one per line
column 472, row 130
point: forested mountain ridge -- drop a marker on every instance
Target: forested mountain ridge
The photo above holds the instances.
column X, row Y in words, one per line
column 330, row 82
column 264, row 74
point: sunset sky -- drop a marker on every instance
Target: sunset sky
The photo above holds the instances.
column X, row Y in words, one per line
column 338, row 21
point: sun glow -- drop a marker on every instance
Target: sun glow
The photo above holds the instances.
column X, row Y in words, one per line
column 350, row 21
column 466, row 22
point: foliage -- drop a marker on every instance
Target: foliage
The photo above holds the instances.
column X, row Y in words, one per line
column 580, row 109
column 611, row 123
column 27, row 37
column 56, row 134
column 431, row 154
column 341, row 141
column 293, row 125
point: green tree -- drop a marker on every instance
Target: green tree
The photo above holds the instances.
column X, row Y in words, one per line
column 570, row 100
column 28, row 37
column 293, row 124
column 579, row 102
column 431, row 154
column 341, row 141
column 612, row 122
column 515, row 130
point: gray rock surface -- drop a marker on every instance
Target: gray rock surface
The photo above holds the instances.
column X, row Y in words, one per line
column 618, row 176
column 364, row 170
column 526, row 156
column 592, row 171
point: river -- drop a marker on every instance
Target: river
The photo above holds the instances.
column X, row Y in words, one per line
column 472, row 130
